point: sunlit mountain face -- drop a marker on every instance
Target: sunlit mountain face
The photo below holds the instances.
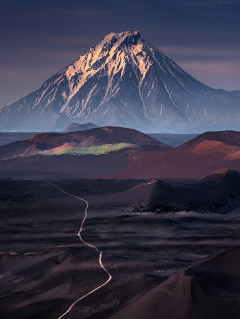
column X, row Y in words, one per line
column 124, row 81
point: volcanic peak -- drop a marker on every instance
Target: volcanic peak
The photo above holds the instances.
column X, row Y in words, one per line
column 107, row 48
column 123, row 81
column 112, row 37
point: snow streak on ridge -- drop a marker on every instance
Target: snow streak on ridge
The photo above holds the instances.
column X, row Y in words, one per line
column 124, row 81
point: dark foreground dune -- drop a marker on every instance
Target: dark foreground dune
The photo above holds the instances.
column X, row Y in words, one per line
column 208, row 289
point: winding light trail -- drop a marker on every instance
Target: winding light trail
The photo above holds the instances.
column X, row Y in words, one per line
column 83, row 241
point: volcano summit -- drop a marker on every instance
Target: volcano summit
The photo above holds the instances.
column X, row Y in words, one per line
column 124, row 81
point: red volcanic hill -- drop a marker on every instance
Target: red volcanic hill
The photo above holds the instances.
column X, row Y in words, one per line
column 195, row 159
column 208, row 289
column 212, row 143
column 93, row 137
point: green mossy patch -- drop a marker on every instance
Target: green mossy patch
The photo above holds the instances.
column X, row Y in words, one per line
column 96, row 150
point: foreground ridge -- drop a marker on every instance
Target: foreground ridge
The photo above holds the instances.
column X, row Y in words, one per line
column 92, row 246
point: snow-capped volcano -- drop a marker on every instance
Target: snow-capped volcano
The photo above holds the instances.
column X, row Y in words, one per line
column 124, row 81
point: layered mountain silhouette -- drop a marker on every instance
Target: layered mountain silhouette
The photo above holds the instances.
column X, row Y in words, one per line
column 124, row 81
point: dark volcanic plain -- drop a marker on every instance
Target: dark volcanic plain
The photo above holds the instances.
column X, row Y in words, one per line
column 44, row 267
column 157, row 216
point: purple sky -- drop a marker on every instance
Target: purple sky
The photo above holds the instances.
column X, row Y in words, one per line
column 39, row 38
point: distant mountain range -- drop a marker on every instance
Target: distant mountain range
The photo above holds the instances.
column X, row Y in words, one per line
column 75, row 127
column 124, row 81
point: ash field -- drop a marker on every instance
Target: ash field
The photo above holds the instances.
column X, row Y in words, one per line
column 171, row 244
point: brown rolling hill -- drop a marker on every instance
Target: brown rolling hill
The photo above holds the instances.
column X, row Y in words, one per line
column 220, row 143
column 195, row 159
column 100, row 151
column 208, row 289
column 121, row 154
column 59, row 143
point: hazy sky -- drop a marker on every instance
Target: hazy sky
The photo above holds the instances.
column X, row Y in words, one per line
column 40, row 37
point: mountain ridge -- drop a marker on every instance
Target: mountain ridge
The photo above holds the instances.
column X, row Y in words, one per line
column 124, row 81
